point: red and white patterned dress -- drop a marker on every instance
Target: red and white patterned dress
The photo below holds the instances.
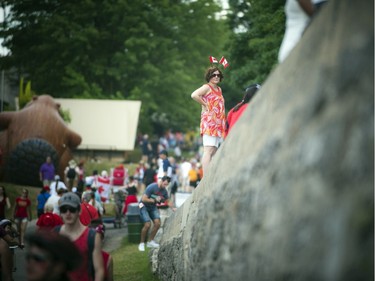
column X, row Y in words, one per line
column 213, row 120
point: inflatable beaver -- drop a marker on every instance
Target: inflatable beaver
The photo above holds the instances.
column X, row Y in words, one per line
column 28, row 136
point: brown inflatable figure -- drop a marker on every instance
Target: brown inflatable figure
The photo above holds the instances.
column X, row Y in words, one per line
column 28, row 136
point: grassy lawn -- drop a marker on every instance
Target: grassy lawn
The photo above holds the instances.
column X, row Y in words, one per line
column 131, row 264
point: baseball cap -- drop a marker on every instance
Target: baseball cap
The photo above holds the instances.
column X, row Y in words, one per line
column 70, row 199
column 166, row 178
column 164, row 152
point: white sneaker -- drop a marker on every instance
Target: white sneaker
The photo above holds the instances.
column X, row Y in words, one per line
column 141, row 247
column 152, row 244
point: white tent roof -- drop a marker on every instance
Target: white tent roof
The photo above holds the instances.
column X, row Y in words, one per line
column 103, row 124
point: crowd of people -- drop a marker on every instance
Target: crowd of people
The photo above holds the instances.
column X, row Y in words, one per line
column 72, row 209
column 62, row 207
column 65, row 219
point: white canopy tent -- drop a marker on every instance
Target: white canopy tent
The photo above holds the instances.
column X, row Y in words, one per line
column 103, row 124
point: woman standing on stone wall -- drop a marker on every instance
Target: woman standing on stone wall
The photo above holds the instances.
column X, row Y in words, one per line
column 212, row 126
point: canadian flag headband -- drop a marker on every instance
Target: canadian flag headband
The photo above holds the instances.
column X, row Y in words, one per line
column 223, row 61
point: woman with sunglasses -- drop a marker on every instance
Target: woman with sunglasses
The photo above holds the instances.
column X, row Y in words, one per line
column 22, row 214
column 212, row 126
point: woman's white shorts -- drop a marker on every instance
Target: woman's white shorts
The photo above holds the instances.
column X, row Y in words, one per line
column 211, row 141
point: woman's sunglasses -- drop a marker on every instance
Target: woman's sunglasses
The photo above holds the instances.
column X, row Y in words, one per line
column 216, row 75
column 64, row 209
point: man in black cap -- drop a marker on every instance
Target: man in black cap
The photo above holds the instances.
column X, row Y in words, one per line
column 154, row 193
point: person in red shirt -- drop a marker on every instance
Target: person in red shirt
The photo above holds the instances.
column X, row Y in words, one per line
column 48, row 220
column 70, row 208
column 131, row 194
column 235, row 113
column 22, row 214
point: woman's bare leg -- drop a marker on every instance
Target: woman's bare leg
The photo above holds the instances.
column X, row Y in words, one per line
column 208, row 153
column 22, row 232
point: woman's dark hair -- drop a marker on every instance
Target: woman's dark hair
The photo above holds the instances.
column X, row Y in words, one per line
column 210, row 71
column 249, row 94
column 59, row 247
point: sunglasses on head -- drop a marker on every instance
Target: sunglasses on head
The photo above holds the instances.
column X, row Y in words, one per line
column 64, row 209
column 39, row 258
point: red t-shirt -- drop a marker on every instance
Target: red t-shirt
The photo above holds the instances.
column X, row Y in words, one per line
column 22, row 204
column 88, row 213
column 234, row 116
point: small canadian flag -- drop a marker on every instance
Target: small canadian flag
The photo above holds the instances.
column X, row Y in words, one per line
column 213, row 60
column 224, row 62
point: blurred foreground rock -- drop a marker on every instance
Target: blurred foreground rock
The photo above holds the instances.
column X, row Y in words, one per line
column 289, row 195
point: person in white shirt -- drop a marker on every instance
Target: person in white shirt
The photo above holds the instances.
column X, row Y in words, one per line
column 54, row 200
column 56, row 185
column 298, row 13
column 185, row 168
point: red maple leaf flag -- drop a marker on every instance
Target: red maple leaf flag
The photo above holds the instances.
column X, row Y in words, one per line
column 224, row 62
column 213, row 60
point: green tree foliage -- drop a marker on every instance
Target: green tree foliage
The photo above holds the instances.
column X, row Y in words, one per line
column 155, row 51
column 258, row 28
column 149, row 50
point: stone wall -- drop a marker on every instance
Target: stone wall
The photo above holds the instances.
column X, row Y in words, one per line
column 289, row 195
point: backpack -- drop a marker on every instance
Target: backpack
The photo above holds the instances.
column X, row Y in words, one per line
column 71, row 173
column 90, row 246
column 119, row 176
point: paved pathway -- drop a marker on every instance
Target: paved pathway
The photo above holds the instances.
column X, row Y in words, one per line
column 20, row 274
